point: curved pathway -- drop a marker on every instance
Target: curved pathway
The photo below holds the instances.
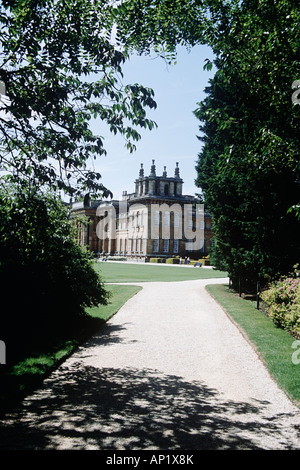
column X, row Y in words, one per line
column 169, row 371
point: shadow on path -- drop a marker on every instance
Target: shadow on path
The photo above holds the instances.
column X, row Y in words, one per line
column 112, row 408
column 90, row 408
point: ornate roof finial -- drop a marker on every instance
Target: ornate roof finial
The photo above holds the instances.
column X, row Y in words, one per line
column 165, row 172
column 153, row 169
column 141, row 171
column 177, row 171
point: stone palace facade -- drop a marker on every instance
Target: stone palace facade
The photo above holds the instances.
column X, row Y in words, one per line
column 157, row 220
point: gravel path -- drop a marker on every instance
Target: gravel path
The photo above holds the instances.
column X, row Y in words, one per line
column 170, row 371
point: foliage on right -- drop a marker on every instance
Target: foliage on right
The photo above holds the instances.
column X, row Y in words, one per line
column 283, row 303
column 248, row 167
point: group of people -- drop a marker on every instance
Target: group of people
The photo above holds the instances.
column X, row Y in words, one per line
column 186, row 260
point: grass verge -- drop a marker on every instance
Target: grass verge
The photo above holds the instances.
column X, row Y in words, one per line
column 17, row 380
column 120, row 295
column 273, row 344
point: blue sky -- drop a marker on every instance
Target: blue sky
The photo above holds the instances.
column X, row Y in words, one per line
column 177, row 89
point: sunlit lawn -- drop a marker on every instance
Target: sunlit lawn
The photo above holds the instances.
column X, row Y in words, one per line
column 119, row 295
column 146, row 272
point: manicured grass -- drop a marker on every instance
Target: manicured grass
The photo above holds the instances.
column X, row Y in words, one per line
column 273, row 344
column 19, row 379
column 120, row 295
column 147, row 272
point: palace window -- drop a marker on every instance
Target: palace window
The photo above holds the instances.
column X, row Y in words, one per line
column 155, row 245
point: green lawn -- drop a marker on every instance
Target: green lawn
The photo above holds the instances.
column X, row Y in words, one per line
column 147, row 272
column 119, row 295
column 273, row 344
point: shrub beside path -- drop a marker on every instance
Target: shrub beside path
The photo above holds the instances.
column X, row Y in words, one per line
column 169, row 371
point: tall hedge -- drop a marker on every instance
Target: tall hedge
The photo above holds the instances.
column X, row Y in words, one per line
column 46, row 279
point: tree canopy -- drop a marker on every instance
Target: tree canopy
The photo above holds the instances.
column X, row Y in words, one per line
column 60, row 68
column 249, row 164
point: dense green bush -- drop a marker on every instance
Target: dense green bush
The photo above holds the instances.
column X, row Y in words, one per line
column 172, row 260
column 46, row 279
column 283, row 302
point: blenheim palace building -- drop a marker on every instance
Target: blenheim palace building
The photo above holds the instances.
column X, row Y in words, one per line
column 157, row 220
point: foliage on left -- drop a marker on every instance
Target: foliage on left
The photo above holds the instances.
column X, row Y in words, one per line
column 46, row 279
column 60, row 74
